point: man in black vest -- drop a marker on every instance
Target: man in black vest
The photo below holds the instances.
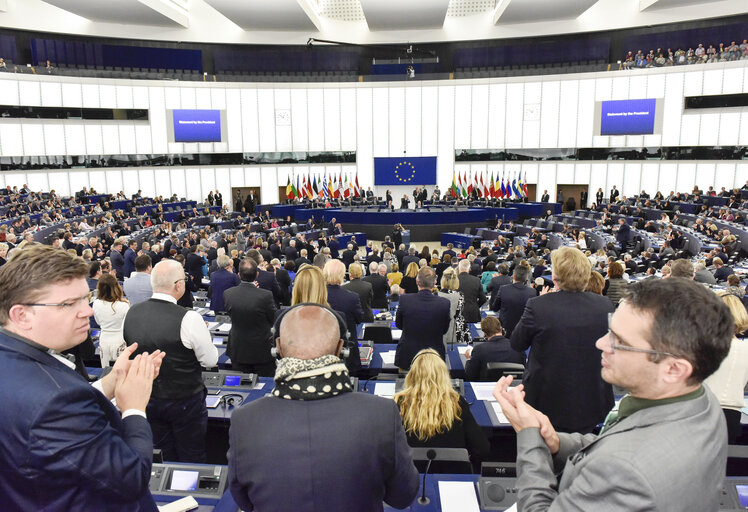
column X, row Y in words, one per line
column 176, row 411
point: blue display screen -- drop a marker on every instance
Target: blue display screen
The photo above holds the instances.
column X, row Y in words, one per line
column 232, row 380
column 742, row 495
column 197, row 126
column 628, row 117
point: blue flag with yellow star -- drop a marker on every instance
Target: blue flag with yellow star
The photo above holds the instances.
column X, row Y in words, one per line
column 420, row 170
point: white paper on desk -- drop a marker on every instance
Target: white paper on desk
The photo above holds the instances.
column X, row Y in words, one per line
column 499, row 413
column 385, row 389
column 388, row 357
column 483, row 390
column 224, row 328
column 396, row 333
column 513, row 508
column 463, row 349
column 259, row 385
column 458, row 497
column 212, row 325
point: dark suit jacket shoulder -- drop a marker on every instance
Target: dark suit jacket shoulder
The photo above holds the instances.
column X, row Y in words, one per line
column 423, row 318
column 474, row 297
column 365, row 294
column 252, row 312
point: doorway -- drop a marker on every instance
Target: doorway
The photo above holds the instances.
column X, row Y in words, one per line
column 572, row 197
column 244, row 191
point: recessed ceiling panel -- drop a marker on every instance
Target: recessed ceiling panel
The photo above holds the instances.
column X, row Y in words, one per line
column 404, row 14
column 664, row 4
column 527, row 11
column 131, row 12
column 264, row 14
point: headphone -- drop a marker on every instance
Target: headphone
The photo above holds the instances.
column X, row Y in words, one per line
column 345, row 352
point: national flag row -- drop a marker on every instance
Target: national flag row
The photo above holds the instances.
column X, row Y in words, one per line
column 514, row 187
column 324, row 187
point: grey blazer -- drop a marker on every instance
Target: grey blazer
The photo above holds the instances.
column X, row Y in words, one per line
column 665, row 458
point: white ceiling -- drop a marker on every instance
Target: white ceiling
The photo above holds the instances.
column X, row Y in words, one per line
column 351, row 21
column 404, row 14
column 133, row 12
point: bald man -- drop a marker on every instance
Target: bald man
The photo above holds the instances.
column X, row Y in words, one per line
column 336, row 449
column 176, row 411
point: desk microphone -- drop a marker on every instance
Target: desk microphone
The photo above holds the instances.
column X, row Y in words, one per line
column 423, row 500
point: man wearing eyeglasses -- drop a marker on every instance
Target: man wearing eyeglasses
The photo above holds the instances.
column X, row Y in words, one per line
column 176, row 411
column 665, row 446
column 64, row 446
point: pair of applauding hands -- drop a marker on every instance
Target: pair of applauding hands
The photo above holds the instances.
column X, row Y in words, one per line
column 522, row 415
column 131, row 380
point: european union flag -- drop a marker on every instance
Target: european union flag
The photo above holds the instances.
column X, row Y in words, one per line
column 420, row 170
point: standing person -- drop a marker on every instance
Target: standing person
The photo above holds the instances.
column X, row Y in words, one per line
column 252, row 312
column 138, row 288
column 130, row 255
column 58, row 420
column 176, row 411
column 562, row 378
column 583, row 199
column 312, row 416
column 222, row 280
column 614, row 194
column 434, row 414
column 665, row 447
column 379, row 285
column 511, row 299
column 423, row 318
column 118, row 262
column 110, row 308
column 472, row 290
column 599, row 196
column 408, row 282
column 458, row 331
column 348, row 305
column 361, row 288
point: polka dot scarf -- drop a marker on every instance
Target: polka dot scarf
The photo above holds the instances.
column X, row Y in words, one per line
column 313, row 379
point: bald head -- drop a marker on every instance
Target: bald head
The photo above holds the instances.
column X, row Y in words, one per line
column 308, row 332
column 165, row 278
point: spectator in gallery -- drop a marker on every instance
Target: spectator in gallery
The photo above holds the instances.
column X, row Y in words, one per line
column 3, row 66
column 48, row 67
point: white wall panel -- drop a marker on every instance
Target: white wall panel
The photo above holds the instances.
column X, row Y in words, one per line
column 178, row 182
column 157, row 119
column 565, row 173
column 479, row 117
column 530, row 125
column 741, row 174
column 585, row 113
column 75, row 139
column 127, row 139
column 331, row 99
column 114, row 181
column 51, row 94
column 650, row 175
column 712, row 82
column 725, row 176
column 188, row 98
column 631, row 179
column 269, row 187
column 207, row 181
column 598, row 179
column 413, row 127
column 348, row 115
column 603, row 89
column 743, row 137
column 33, row 139
column 162, row 182
column 397, row 121
column 58, row 181
column 218, row 97
column 54, row 139
column 38, row 181
column 655, row 86
column 147, row 183
column 299, row 126
column 172, row 98
column 615, row 176
column 547, row 179
column 496, row 115
column 234, row 120
column 549, row 115
column 430, row 121
column 446, row 154
column 30, row 93
column 90, row 95
column 690, row 130
column 567, row 121
column 124, row 96
column 316, row 118
column 704, row 176
column 223, row 184
column 709, row 129
column 250, row 126
column 283, row 133
column 462, row 111
column 638, row 86
column 514, row 115
column 202, row 98
column 110, row 134
column 108, row 96
column 266, row 117
column 94, row 141
column 620, row 87
column 687, row 177
column 78, row 180
column 694, row 81
column 582, row 174
column 17, row 179
column 11, row 140
column 9, row 92
column 672, row 109
column 143, row 141
column 130, row 181
column 530, row 172
column 236, row 176
column 139, row 97
column 732, row 81
column 729, row 128
column 97, row 181
column 364, row 142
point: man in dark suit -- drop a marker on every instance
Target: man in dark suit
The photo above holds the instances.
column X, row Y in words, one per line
column 332, row 244
column 252, row 312
column 472, row 290
column 511, row 299
column 348, row 305
column 221, row 281
column 331, row 227
column 359, row 435
column 412, row 257
column 423, row 318
column 546, row 197
column 65, row 446
column 284, row 281
column 379, row 285
column 583, row 195
column 291, row 252
column 496, row 349
column 302, row 259
column 265, row 279
column 118, row 262
column 614, row 194
column 562, row 378
column 623, row 233
column 361, row 288
column 348, row 255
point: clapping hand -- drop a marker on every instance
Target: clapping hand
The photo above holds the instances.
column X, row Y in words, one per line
column 122, row 365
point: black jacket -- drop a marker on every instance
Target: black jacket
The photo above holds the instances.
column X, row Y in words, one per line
column 474, row 297
column 252, row 312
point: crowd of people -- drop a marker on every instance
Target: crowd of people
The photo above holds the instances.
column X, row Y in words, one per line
column 680, row 57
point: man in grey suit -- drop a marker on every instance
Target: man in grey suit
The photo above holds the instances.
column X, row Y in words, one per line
column 335, row 449
column 138, row 287
column 665, row 446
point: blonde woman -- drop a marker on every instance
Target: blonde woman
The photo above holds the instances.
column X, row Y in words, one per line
column 309, row 286
column 729, row 381
column 408, row 282
column 110, row 308
column 459, row 331
column 433, row 413
column 395, row 276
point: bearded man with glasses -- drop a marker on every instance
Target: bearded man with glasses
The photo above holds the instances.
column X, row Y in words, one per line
column 664, row 447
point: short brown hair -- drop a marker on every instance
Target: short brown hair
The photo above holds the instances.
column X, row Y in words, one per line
column 681, row 268
column 615, row 270
column 24, row 277
column 490, row 326
column 596, row 283
column 571, row 269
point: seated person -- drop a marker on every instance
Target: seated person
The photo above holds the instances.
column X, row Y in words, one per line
column 496, row 349
column 434, row 414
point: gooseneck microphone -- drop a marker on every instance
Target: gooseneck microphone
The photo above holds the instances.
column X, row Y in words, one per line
column 423, row 500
